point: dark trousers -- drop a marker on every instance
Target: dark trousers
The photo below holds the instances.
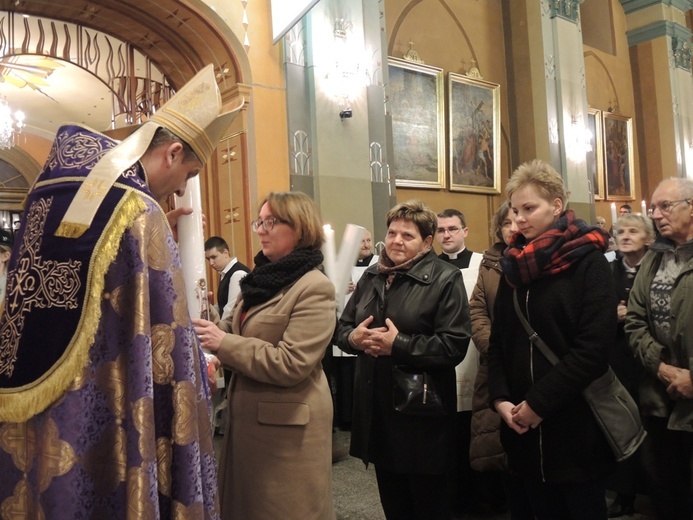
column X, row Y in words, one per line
column 668, row 460
column 413, row 496
column 571, row 501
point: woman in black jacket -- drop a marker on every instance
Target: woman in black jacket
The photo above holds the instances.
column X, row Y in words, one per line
column 407, row 312
column 566, row 291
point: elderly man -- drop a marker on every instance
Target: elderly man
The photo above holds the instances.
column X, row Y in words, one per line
column 659, row 327
column 103, row 389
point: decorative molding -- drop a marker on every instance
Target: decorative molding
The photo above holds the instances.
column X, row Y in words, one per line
column 682, row 53
column 634, row 5
column 301, row 153
column 657, row 30
column 566, row 9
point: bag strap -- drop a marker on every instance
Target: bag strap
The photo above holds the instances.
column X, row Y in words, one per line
column 534, row 338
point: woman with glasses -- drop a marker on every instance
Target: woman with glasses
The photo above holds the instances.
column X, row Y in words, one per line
column 555, row 270
column 277, row 456
column 407, row 316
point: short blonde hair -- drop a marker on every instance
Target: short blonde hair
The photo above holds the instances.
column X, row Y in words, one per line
column 644, row 223
column 542, row 176
column 416, row 212
column 299, row 211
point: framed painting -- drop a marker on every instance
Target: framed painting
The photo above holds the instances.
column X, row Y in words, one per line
column 474, row 130
column 418, row 125
column 595, row 153
column 618, row 156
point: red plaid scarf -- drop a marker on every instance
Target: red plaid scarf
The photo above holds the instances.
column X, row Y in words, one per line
column 551, row 252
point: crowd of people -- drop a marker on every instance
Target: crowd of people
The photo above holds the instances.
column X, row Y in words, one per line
column 453, row 405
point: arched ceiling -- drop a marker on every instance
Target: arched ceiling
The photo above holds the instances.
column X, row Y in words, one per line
column 178, row 36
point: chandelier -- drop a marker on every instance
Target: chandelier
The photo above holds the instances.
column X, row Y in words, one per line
column 11, row 125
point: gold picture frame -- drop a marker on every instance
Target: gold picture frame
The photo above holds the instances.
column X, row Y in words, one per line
column 595, row 153
column 474, row 134
column 618, row 156
column 415, row 101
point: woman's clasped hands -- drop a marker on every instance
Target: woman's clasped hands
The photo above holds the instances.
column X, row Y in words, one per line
column 374, row 342
column 519, row 417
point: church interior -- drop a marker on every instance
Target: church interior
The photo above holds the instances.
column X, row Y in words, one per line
column 366, row 103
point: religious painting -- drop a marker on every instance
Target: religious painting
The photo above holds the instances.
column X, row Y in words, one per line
column 618, row 156
column 595, row 153
column 474, row 126
column 415, row 100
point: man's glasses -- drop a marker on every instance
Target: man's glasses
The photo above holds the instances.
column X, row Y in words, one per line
column 452, row 230
column 267, row 224
column 668, row 205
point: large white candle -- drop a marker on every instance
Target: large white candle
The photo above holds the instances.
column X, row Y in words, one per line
column 191, row 243
column 328, row 252
column 643, row 209
column 613, row 214
column 348, row 253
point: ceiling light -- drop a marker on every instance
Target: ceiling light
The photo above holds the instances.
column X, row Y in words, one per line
column 10, row 125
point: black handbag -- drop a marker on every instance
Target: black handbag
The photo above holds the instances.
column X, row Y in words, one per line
column 613, row 407
column 414, row 392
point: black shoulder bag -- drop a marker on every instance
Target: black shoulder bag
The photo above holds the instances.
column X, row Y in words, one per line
column 613, row 407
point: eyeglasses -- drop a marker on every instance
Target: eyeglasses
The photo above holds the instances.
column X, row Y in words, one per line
column 668, row 205
column 453, row 230
column 267, row 224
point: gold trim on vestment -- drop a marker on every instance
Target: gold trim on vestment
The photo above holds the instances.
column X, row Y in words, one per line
column 19, row 404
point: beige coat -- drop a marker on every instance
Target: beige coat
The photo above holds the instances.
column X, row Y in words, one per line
column 277, row 455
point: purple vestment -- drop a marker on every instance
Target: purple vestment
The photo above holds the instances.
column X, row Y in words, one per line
column 131, row 436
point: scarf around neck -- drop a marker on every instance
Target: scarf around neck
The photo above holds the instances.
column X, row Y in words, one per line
column 553, row 251
column 268, row 278
column 388, row 268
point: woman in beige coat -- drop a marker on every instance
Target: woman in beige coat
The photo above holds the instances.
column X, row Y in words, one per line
column 276, row 460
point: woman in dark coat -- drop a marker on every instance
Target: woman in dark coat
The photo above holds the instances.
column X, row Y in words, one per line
column 633, row 233
column 566, row 291
column 408, row 310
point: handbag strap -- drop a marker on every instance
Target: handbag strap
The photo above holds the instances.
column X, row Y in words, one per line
column 534, row 338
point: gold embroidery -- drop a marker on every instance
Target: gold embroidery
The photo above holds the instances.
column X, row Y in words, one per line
column 21, row 505
column 106, row 461
column 36, row 284
column 94, row 190
column 18, row 439
column 55, row 457
column 132, row 300
column 192, row 512
column 152, row 232
column 143, row 419
column 79, row 151
column 111, row 380
column 185, row 420
column 180, row 305
column 163, row 341
column 140, row 504
column 163, row 465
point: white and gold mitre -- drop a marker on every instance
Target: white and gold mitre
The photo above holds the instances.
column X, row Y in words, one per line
column 192, row 114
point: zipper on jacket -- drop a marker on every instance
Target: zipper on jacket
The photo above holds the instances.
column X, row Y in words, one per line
column 531, row 374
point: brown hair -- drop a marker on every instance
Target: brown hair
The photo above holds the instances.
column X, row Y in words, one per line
column 498, row 218
column 417, row 212
column 451, row 212
column 301, row 213
column 542, row 176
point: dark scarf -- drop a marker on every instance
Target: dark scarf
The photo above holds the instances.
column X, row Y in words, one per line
column 388, row 268
column 553, row 251
column 268, row 278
